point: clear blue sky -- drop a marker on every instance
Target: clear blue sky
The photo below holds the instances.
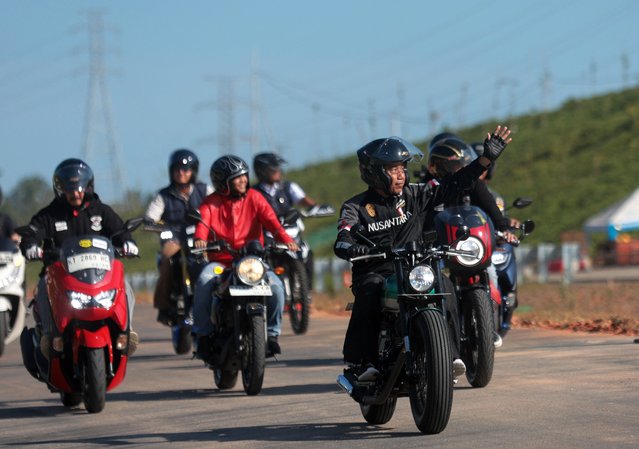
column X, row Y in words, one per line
column 332, row 75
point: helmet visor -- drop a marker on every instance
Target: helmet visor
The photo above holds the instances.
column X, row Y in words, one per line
column 73, row 179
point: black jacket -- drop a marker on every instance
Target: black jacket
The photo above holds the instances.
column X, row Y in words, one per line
column 58, row 221
column 396, row 221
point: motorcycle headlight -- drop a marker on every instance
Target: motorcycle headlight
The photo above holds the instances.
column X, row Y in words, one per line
column 421, row 278
column 499, row 257
column 250, row 270
column 79, row 300
column 472, row 245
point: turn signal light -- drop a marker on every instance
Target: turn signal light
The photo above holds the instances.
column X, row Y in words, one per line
column 122, row 342
column 279, row 271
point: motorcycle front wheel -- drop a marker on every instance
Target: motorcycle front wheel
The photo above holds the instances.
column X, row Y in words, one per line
column 94, row 391
column 478, row 350
column 300, row 304
column 431, row 392
column 253, row 354
column 181, row 337
column 70, row 399
column 4, row 329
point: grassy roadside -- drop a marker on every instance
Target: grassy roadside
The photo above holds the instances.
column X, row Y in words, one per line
column 606, row 307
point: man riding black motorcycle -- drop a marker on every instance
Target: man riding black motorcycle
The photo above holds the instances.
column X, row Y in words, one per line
column 75, row 210
column 393, row 213
column 169, row 207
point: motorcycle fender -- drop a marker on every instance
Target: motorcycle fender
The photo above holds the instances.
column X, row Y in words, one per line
column 88, row 339
column 5, row 304
column 495, row 294
column 254, row 308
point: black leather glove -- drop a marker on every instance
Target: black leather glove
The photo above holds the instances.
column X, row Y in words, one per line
column 493, row 147
column 357, row 250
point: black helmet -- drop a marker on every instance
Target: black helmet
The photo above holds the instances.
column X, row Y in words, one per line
column 72, row 175
column 441, row 136
column 184, row 158
column 224, row 169
column 374, row 155
column 449, row 155
column 479, row 149
column 264, row 162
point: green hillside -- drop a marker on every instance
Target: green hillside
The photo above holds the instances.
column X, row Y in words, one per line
column 573, row 162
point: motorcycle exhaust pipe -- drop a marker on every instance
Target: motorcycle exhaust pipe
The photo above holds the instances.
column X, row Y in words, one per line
column 343, row 382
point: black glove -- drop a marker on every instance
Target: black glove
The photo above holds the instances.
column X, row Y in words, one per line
column 357, row 250
column 493, row 147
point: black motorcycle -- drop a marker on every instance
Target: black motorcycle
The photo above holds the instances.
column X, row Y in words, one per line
column 184, row 271
column 415, row 356
column 239, row 341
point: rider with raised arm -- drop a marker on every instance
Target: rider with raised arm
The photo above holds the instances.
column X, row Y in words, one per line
column 393, row 213
column 235, row 214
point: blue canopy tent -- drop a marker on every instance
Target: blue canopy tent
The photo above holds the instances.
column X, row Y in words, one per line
column 620, row 217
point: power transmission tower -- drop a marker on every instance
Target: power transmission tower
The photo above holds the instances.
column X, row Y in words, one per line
column 545, row 83
column 98, row 117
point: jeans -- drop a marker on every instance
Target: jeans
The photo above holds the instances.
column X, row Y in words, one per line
column 204, row 301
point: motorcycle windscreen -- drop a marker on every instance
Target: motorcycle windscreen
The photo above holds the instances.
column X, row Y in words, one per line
column 87, row 258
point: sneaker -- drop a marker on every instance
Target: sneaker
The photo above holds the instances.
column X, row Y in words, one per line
column 368, row 373
column 272, row 346
column 497, row 340
column 134, row 340
column 459, row 368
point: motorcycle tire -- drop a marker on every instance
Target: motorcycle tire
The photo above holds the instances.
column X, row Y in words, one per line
column 379, row 414
column 253, row 355
column 478, row 350
column 4, row 329
column 94, row 391
column 225, row 379
column 431, row 393
column 71, row 399
column 300, row 303
column 181, row 338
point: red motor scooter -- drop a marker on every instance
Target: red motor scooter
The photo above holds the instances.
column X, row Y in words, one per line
column 86, row 353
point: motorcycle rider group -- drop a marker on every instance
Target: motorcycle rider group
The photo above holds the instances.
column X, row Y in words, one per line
column 392, row 210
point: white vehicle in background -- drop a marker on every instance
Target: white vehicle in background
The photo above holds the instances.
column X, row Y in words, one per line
column 12, row 308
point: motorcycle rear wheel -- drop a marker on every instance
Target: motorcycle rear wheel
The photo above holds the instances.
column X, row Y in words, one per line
column 225, row 379
column 431, row 396
column 181, row 338
column 300, row 304
column 4, row 329
column 71, row 399
column 478, row 351
column 94, row 394
column 253, row 355
column 379, row 414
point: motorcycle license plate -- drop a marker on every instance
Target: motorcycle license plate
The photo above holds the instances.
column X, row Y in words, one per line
column 86, row 261
column 255, row 290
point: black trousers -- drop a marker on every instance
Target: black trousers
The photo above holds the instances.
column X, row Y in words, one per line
column 360, row 342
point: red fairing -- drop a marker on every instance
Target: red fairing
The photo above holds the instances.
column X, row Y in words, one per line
column 119, row 374
column 494, row 293
column 59, row 282
column 57, row 376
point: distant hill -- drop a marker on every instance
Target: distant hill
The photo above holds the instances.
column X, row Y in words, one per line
column 574, row 162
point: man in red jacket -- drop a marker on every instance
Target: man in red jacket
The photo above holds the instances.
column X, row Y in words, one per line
column 237, row 215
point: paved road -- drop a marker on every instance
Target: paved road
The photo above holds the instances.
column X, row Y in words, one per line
column 549, row 390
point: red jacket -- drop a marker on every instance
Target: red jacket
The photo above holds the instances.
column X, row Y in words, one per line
column 237, row 221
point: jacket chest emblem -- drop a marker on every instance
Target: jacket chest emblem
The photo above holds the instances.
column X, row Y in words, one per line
column 61, row 226
column 96, row 223
column 370, row 209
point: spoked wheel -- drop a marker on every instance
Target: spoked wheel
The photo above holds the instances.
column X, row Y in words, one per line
column 94, row 394
column 478, row 351
column 379, row 414
column 253, row 355
column 431, row 394
column 300, row 303
column 225, row 379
